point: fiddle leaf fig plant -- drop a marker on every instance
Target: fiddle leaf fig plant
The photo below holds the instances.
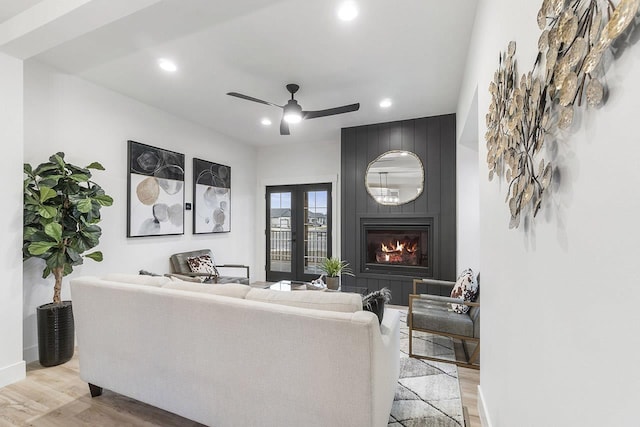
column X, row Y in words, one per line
column 60, row 216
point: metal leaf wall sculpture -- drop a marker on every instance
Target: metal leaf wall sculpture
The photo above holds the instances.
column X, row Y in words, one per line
column 567, row 70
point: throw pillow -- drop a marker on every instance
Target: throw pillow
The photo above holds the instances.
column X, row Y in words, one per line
column 466, row 288
column 202, row 264
column 375, row 301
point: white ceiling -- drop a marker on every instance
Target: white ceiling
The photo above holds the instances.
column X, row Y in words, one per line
column 9, row 8
column 412, row 51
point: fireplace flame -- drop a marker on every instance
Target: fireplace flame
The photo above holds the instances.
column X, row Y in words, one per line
column 399, row 247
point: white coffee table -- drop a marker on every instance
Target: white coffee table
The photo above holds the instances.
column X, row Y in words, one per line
column 292, row 285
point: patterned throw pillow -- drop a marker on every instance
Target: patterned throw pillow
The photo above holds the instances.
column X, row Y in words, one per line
column 466, row 288
column 202, row 264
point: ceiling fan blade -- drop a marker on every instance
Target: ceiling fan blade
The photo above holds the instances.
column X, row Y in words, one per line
column 251, row 98
column 330, row 111
column 284, row 127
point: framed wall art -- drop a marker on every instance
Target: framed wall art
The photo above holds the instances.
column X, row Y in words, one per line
column 211, row 197
column 155, row 191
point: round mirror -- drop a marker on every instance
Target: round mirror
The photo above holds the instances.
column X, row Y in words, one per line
column 395, row 178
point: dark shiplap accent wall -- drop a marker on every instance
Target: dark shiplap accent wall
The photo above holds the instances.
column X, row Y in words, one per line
column 433, row 140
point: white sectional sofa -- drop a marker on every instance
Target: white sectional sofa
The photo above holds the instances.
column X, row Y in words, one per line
column 232, row 355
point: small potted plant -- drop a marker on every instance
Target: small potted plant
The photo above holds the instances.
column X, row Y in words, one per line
column 333, row 268
column 60, row 214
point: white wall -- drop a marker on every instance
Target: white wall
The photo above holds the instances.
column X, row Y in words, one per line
column 90, row 123
column 468, row 193
column 558, row 318
column 12, row 367
column 295, row 164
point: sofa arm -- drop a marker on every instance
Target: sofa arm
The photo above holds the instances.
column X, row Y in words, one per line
column 246, row 267
column 389, row 326
column 437, row 298
column 190, row 277
column 433, row 282
column 386, row 366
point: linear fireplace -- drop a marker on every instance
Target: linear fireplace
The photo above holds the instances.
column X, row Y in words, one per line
column 398, row 246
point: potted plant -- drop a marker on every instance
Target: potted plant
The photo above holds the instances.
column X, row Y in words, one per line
column 333, row 268
column 61, row 211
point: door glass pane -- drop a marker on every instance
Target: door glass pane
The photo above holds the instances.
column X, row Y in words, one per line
column 280, row 232
column 315, row 230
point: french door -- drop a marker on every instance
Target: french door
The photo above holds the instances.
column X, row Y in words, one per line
column 298, row 231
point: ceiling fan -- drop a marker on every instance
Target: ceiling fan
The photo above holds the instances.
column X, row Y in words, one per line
column 293, row 113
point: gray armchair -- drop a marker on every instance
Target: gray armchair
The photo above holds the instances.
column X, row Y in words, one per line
column 180, row 267
column 432, row 314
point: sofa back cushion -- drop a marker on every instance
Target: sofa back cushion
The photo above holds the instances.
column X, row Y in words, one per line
column 234, row 290
column 138, row 279
column 331, row 301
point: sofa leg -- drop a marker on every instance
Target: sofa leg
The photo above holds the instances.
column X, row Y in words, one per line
column 95, row 390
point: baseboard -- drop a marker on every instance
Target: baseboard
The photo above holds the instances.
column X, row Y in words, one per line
column 483, row 412
column 30, row 354
column 12, row 373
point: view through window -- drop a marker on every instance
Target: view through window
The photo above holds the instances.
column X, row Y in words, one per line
column 299, row 231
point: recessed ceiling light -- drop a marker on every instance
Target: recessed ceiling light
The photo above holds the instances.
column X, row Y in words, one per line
column 266, row 122
column 385, row 103
column 348, row 11
column 167, row 65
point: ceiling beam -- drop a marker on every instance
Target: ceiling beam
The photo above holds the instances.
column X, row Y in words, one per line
column 53, row 22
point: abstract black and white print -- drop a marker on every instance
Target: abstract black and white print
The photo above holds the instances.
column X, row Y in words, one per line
column 211, row 197
column 155, row 191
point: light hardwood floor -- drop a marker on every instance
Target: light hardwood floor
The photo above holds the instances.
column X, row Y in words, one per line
column 57, row 397
column 469, row 381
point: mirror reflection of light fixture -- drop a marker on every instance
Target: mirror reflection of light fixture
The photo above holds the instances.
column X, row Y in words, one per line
column 386, row 195
column 292, row 112
column 395, row 178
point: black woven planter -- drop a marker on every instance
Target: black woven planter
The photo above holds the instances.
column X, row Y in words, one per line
column 56, row 333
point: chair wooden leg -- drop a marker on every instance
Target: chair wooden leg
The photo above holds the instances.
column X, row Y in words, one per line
column 410, row 337
column 410, row 342
column 466, row 351
column 475, row 354
column 469, row 360
column 95, row 390
column 454, row 362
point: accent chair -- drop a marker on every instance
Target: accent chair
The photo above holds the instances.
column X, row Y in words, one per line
column 432, row 314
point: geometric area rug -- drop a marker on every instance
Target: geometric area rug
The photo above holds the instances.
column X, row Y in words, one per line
column 428, row 392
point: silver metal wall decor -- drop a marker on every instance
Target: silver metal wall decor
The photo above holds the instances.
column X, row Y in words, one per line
column 567, row 70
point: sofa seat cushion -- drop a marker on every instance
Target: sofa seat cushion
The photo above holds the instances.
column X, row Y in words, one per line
column 138, row 279
column 234, row 290
column 330, row 301
column 439, row 317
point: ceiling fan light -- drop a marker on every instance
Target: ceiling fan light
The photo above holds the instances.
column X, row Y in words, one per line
column 385, row 103
column 292, row 117
column 167, row 65
column 292, row 112
column 348, row 11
